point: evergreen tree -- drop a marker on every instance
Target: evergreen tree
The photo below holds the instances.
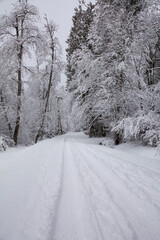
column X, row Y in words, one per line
column 82, row 20
column 112, row 80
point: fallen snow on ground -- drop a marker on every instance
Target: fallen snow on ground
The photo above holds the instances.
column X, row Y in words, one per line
column 70, row 188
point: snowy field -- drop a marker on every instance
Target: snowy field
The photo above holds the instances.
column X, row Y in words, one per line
column 70, row 188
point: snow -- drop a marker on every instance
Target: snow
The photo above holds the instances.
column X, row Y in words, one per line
column 71, row 188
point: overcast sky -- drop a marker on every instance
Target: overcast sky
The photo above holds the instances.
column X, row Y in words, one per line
column 60, row 11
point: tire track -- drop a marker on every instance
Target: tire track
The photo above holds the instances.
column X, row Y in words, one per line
column 58, row 200
column 134, row 226
column 111, row 199
column 130, row 180
column 98, row 226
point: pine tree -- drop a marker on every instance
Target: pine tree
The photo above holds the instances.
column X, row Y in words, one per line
column 82, row 20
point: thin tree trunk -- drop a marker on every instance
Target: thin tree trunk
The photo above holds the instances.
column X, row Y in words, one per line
column 19, row 92
column 60, row 130
column 50, row 30
column 41, row 129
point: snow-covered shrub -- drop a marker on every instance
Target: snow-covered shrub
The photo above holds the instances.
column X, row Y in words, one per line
column 151, row 137
column 5, row 142
column 108, row 143
column 144, row 127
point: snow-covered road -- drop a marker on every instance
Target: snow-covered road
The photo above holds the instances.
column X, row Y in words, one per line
column 69, row 189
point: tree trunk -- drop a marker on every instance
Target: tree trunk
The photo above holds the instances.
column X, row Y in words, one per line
column 19, row 92
column 50, row 29
column 16, row 131
column 41, row 129
column 117, row 139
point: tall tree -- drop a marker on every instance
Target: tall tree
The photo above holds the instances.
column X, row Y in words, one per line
column 53, row 68
column 78, row 37
column 17, row 33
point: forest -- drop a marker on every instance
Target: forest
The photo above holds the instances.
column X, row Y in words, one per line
column 112, row 69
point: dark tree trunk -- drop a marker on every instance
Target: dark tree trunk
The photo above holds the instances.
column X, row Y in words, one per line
column 41, row 128
column 19, row 34
column 16, row 131
column 117, row 139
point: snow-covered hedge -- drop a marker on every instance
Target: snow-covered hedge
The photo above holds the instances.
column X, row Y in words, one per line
column 5, row 142
column 145, row 128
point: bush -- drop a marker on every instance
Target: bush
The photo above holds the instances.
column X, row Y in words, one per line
column 107, row 142
column 145, row 128
column 5, row 142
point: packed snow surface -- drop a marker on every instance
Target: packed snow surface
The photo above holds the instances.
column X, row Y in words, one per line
column 70, row 188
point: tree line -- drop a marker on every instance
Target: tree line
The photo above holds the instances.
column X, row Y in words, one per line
column 113, row 70
column 113, row 73
column 30, row 69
